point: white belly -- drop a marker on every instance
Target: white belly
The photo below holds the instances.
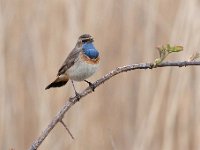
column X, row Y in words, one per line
column 81, row 71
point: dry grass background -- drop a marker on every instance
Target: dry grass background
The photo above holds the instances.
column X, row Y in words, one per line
column 140, row 110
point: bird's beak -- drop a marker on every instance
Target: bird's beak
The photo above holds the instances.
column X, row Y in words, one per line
column 92, row 39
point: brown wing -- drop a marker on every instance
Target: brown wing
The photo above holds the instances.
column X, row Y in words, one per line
column 70, row 60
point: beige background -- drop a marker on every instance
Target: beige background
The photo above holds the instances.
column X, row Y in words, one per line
column 139, row 110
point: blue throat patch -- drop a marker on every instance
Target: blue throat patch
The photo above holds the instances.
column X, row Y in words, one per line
column 90, row 51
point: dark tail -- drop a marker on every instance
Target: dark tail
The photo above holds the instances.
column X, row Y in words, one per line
column 60, row 81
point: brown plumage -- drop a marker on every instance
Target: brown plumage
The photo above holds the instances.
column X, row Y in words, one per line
column 62, row 78
column 88, row 60
column 60, row 81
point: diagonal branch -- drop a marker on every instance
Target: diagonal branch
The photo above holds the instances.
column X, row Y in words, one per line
column 118, row 70
column 61, row 121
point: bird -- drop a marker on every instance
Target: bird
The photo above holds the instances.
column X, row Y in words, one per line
column 81, row 63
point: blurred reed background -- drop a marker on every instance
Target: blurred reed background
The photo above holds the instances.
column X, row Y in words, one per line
column 139, row 110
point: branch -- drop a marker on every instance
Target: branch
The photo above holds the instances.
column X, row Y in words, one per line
column 61, row 121
column 72, row 100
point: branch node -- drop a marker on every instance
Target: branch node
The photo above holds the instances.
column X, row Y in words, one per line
column 151, row 66
column 74, row 99
column 185, row 63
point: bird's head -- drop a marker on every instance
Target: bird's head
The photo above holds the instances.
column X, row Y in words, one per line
column 86, row 38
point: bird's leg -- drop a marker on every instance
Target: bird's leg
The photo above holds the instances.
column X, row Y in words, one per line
column 91, row 85
column 77, row 94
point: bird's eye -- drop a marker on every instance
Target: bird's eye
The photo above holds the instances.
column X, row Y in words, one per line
column 84, row 40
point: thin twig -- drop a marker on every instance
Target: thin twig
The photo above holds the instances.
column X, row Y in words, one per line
column 71, row 101
column 61, row 121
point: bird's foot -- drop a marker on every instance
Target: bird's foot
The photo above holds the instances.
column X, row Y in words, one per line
column 78, row 96
column 91, row 85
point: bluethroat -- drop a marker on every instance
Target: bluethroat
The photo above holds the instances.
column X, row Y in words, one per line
column 81, row 63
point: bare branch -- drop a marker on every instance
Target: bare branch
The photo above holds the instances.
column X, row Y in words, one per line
column 61, row 121
column 118, row 70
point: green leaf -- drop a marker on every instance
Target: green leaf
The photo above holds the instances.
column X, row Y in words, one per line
column 164, row 51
